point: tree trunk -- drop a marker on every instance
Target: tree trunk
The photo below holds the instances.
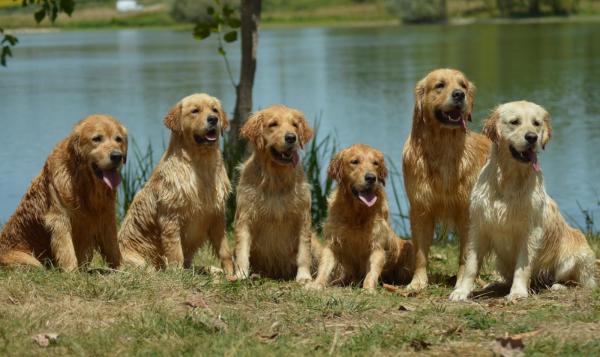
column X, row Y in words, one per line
column 243, row 105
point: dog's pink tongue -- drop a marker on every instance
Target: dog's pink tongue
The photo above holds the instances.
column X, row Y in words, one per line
column 367, row 198
column 295, row 158
column 534, row 162
column 111, row 178
column 211, row 136
column 463, row 123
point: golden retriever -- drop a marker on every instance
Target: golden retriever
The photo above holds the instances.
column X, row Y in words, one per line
column 441, row 161
column 69, row 208
column 359, row 239
column 273, row 217
column 183, row 203
column 514, row 217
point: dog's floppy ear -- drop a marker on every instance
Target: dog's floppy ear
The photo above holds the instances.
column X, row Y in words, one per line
column 173, row 118
column 253, row 128
column 490, row 126
column 74, row 143
column 125, row 143
column 305, row 131
column 419, row 99
column 471, row 90
column 335, row 166
column 382, row 171
column 224, row 118
column 547, row 132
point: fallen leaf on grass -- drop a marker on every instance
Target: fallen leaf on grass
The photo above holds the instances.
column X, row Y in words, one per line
column 409, row 293
column 196, row 301
column 512, row 346
column 391, row 288
column 45, row 339
column 268, row 337
column 419, row 345
column 406, row 308
column 438, row 257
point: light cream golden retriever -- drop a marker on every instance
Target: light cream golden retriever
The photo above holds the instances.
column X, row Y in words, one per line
column 183, row 203
column 69, row 209
column 441, row 161
column 273, row 220
column 359, row 239
column 514, row 217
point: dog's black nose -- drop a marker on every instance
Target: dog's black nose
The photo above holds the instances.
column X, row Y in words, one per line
column 212, row 120
column 531, row 137
column 458, row 95
column 290, row 138
column 370, row 178
column 116, row 157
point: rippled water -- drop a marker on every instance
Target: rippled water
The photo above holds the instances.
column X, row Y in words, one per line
column 359, row 80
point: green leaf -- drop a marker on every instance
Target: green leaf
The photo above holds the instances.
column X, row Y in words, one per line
column 221, row 51
column 230, row 36
column 227, row 10
column 234, row 23
column 6, row 52
column 67, row 6
column 39, row 15
column 201, row 32
column 210, row 10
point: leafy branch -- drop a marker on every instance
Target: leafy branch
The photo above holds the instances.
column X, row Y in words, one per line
column 46, row 9
column 223, row 22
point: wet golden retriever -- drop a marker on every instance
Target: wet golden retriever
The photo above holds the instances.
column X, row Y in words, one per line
column 359, row 239
column 441, row 161
column 514, row 217
column 183, row 203
column 273, row 220
column 69, row 208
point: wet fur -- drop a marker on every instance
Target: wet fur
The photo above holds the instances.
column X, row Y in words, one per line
column 182, row 205
column 360, row 244
column 440, row 166
column 272, row 221
column 67, row 211
column 514, row 217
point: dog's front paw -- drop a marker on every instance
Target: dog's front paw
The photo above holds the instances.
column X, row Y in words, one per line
column 558, row 287
column 303, row 277
column 459, row 295
column 417, row 285
column 315, row 286
column 516, row 295
column 242, row 274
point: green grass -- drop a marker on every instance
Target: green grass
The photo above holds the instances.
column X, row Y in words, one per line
column 188, row 312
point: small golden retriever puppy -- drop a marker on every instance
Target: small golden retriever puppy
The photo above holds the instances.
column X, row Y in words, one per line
column 183, row 203
column 441, row 161
column 514, row 217
column 69, row 208
column 272, row 221
column 359, row 240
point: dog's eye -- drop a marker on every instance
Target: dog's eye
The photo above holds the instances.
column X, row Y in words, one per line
column 295, row 125
column 195, row 111
column 376, row 163
column 463, row 85
column 440, row 85
column 355, row 162
column 273, row 124
column 215, row 110
column 536, row 123
column 515, row 121
column 119, row 139
column 97, row 139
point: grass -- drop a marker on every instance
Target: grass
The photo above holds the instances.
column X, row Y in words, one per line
column 188, row 312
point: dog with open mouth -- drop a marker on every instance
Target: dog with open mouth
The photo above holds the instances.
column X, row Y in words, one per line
column 273, row 215
column 514, row 217
column 182, row 205
column 360, row 244
column 69, row 208
column 441, row 161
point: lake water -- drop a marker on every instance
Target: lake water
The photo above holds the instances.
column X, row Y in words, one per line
column 359, row 81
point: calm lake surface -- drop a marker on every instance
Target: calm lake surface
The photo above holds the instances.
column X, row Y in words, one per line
column 359, row 81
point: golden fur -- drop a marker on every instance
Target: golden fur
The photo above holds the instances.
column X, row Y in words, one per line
column 359, row 239
column 183, row 203
column 441, row 161
column 514, row 217
column 272, row 220
column 69, row 208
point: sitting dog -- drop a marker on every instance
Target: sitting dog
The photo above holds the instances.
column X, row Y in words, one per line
column 273, row 217
column 513, row 216
column 183, row 203
column 441, row 161
column 359, row 239
column 69, row 209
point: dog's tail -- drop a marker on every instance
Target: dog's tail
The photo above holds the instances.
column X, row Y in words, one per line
column 14, row 257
